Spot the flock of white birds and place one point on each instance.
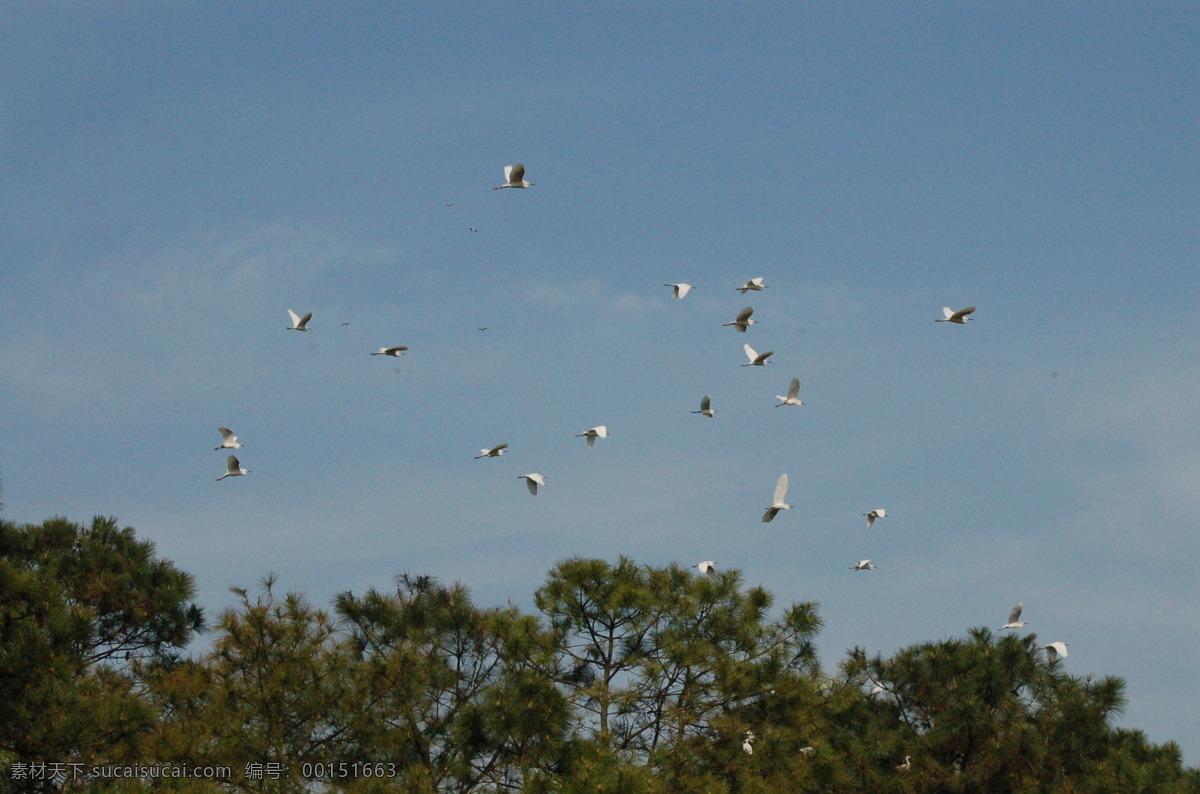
(514, 177)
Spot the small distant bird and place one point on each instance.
(793, 395)
(907, 763)
(864, 565)
(494, 452)
(807, 750)
(781, 488)
(398, 350)
(482, 329)
(756, 359)
(1055, 651)
(228, 439)
(1014, 619)
(514, 176)
(299, 323)
(679, 290)
(748, 742)
(233, 468)
(345, 324)
(708, 566)
(952, 316)
(743, 320)
(874, 514)
(451, 204)
(472, 228)
(533, 481)
(755, 284)
(706, 408)
(600, 431)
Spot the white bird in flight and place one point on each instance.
(1014, 619)
(391, 351)
(1055, 651)
(864, 565)
(777, 505)
(533, 481)
(228, 439)
(878, 512)
(755, 284)
(793, 395)
(233, 468)
(299, 323)
(599, 431)
(952, 316)
(706, 408)
(679, 290)
(708, 566)
(514, 176)
(494, 452)
(756, 359)
(743, 320)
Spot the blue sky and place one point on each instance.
(175, 176)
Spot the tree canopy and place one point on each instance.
(627, 678)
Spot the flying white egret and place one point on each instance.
(793, 395)
(1056, 651)
(472, 229)
(708, 566)
(229, 440)
(514, 176)
(494, 452)
(679, 290)
(777, 505)
(1014, 619)
(807, 750)
(952, 316)
(878, 512)
(233, 468)
(398, 350)
(755, 284)
(706, 408)
(756, 359)
(743, 320)
(864, 565)
(299, 323)
(533, 481)
(599, 431)
(907, 763)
